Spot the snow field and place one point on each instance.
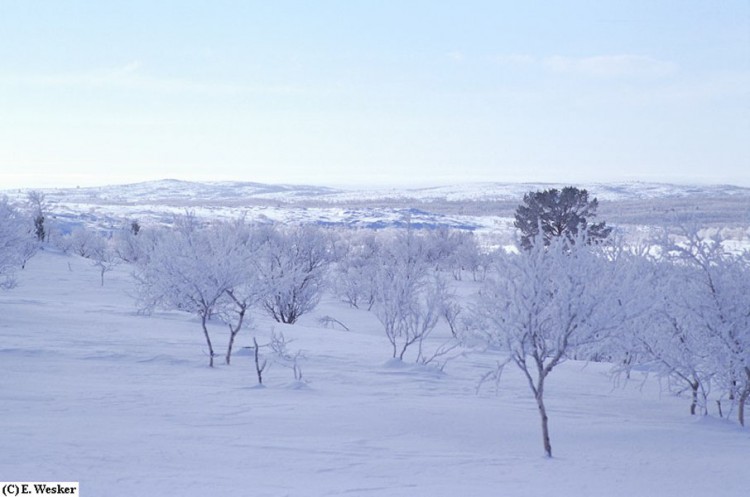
(124, 403)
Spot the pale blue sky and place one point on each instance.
(342, 92)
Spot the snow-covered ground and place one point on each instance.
(91, 391)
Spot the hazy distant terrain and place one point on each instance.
(480, 207)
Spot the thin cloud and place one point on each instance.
(600, 66)
(611, 66)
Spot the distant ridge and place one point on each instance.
(479, 207)
(169, 189)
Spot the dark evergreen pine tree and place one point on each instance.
(558, 213)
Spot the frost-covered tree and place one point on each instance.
(129, 242)
(292, 266)
(542, 305)
(243, 244)
(105, 250)
(558, 213)
(668, 338)
(104, 256)
(715, 295)
(469, 257)
(441, 245)
(81, 241)
(190, 269)
(355, 269)
(453, 251)
(38, 206)
(16, 240)
(408, 299)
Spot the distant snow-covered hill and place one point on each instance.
(232, 192)
(515, 191)
(481, 207)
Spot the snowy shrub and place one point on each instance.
(409, 297)
(104, 256)
(17, 243)
(38, 207)
(81, 241)
(292, 267)
(712, 297)
(352, 277)
(199, 270)
(129, 242)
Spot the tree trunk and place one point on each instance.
(204, 316)
(741, 410)
(233, 333)
(543, 414)
(694, 403)
(403, 351)
(258, 368)
(743, 398)
(394, 347)
(537, 387)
